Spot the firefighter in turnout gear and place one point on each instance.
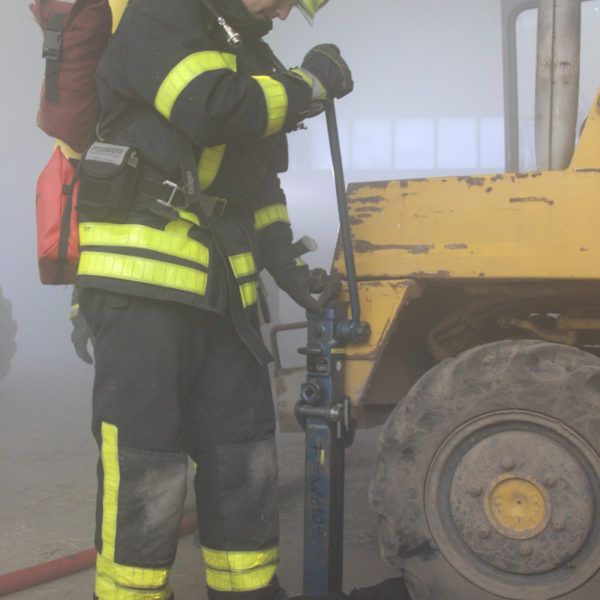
(167, 284)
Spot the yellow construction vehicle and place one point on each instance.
(483, 298)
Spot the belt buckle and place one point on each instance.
(219, 206)
(174, 189)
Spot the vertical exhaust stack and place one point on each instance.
(557, 82)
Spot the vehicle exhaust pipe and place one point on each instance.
(557, 82)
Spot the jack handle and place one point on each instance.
(353, 330)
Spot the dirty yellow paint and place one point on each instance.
(380, 303)
(516, 225)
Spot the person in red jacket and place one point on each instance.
(167, 283)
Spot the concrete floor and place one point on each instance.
(47, 490)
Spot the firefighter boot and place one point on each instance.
(390, 589)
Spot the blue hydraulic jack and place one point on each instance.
(324, 412)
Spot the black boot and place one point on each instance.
(390, 589)
(272, 592)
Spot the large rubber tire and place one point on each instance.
(487, 482)
(8, 331)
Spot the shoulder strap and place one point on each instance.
(51, 52)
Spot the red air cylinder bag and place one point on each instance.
(57, 261)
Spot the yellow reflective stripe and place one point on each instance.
(107, 589)
(299, 262)
(302, 73)
(143, 270)
(310, 7)
(174, 241)
(240, 571)
(263, 217)
(277, 102)
(132, 577)
(187, 216)
(242, 264)
(187, 70)
(74, 311)
(224, 560)
(248, 293)
(208, 165)
(66, 149)
(318, 91)
(109, 454)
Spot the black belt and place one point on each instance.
(158, 193)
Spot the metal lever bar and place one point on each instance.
(340, 188)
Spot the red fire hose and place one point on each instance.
(73, 563)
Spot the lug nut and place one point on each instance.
(476, 491)
(525, 549)
(559, 524)
(484, 532)
(508, 463)
(549, 481)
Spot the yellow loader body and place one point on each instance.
(502, 251)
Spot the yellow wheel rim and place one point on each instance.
(517, 507)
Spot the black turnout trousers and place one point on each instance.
(173, 381)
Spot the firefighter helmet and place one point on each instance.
(309, 8)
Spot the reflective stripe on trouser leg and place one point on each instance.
(239, 535)
(140, 503)
(230, 571)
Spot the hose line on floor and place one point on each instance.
(29, 577)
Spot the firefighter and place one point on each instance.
(167, 283)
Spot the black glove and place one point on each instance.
(326, 64)
(80, 336)
(299, 282)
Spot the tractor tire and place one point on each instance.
(487, 482)
(8, 331)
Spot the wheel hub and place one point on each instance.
(515, 494)
(517, 507)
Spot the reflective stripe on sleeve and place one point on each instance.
(276, 100)
(240, 571)
(208, 165)
(185, 72)
(267, 215)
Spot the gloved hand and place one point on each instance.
(325, 63)
(80, 336)
(299, 282)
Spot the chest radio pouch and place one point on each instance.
(108, 180)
